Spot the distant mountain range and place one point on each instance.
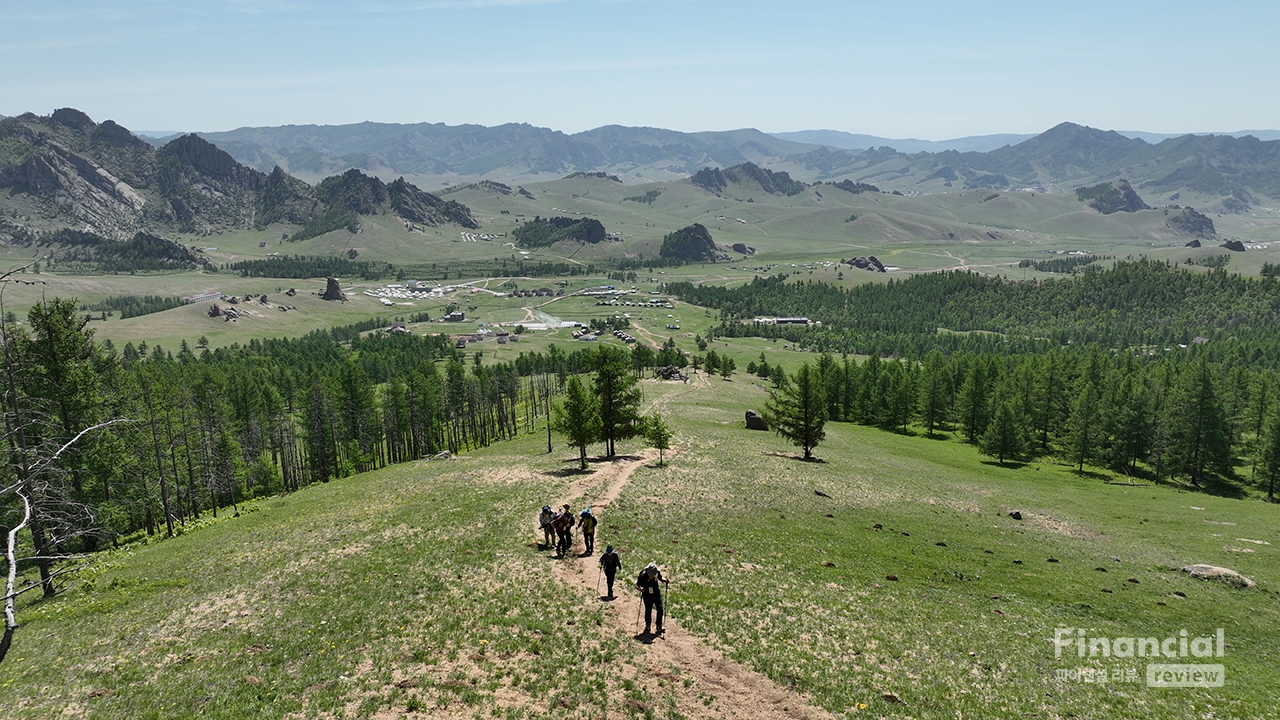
(101, 177)
(853, 141)
(1224, 172)
(971, 143)
(513, 151)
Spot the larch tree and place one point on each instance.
(1271, 455)
(1084, 428)
(619, 397)
(658, 434)
(1199, 437)
(577, 418)
(1004, 437)
(798, 410)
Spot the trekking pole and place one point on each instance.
(639, 604)
(598, 571)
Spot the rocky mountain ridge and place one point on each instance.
(72, 172)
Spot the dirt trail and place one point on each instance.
(720, 687)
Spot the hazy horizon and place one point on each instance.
(933, 70)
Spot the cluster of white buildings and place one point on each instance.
(412, 290)
(477, 237)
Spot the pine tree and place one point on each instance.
(1004, 436)
(1199, 437)
(1271, 455)
(798, 410)
(615, 388)
(727, 367)
(975, 400)
(658, 434)
(577, 418)
(1084, 429)
(933, 401)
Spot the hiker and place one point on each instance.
(647, 584)
(564, 531)
(587, 523)
(611, 564)
(544, 522)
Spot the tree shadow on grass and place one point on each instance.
(1220, 487)
(793, 456)
(574, 471)
(1007, 464)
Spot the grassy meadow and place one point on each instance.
(417, 591)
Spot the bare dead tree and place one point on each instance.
(29, 483)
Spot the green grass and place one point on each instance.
(410, 587)
(743, 531)
(414, 588)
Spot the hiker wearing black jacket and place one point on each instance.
(651, 592)
(611, 564)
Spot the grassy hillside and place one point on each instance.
(418, 590)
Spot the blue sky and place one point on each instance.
(925, 69)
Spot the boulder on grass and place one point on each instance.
(1213, 572)
(755, 421)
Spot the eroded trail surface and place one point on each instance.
(677, 668)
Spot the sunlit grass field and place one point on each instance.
(415, 590)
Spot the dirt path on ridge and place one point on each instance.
(677, 656)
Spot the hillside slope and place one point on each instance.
(419, 590)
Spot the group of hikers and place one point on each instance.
(558, 525)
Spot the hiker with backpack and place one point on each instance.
(651, 592)
(587, 523)
(611, 564)
(544, 521)
(563, 524)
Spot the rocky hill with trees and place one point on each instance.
(692, 243)
(541, 232)
(101, 179)
(1111, 197)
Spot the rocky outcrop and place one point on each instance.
(78, 189)
(870, 263)
(203, 157)
(692, 243)
(743, 249)
(102, 179)
(1195, 224)
(284, 198)
(1233, 246)
(206, 189)
(417, 205)
(709, 178)
(332, 291)
(1111, 197)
